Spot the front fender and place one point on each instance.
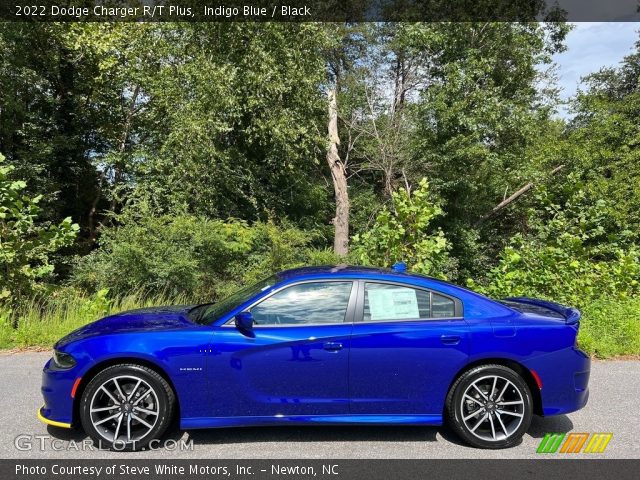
(179, 355)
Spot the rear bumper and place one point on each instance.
(565, 380)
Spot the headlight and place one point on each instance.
(63, 360)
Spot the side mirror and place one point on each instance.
(244, 321)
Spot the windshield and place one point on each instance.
(208, 312)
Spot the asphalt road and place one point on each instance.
(614, 406)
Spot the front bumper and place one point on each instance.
(57, 389)
(48, 421)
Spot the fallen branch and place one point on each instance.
(512, 198)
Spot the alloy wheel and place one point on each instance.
(492, 408)
(124, 409)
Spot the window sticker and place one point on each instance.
(393, 303)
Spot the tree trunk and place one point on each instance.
(339, 176)
(93, 231)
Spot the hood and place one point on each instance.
(139, 320)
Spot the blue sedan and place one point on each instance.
(322, 345)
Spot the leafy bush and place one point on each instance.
(163, 254)
(611, 327)
(574, 258)
(25, 244)
(404, 234)
(186, 255)
(278, 247)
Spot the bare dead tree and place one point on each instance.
(339, 177)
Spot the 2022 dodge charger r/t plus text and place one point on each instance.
(322, 345)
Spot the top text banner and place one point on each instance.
(319, 10)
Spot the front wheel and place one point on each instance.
(490, 406)
(124, 407)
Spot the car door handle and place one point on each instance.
(332, 346)
(450, 339)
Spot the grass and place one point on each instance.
(42, 323)
(609, 328)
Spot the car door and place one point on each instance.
(407, 344)
(295, 361)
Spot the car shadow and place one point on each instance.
(78, 436)
(67, 434)
(326, 433)
(540, 426)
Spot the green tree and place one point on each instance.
(477, 120)
(236, 111)
(25, 244)
(213, 119)
(406, 234)
(604, 137)
(48, 115)
(579, 237)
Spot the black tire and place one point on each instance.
(499, 429)
(157, 395)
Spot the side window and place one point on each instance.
(442, 307)
(306, 303)
(386, 302)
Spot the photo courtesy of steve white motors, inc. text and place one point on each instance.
(162, 469)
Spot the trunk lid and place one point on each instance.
(570, 315)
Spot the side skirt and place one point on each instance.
(217, 422)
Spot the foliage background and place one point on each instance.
(176, 162)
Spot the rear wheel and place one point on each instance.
(124, 407)
(490, 406)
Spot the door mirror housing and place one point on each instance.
(244, 321)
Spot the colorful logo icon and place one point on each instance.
(573, 443)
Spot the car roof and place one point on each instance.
(331, 269)
(350, 270)
(389, 274)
